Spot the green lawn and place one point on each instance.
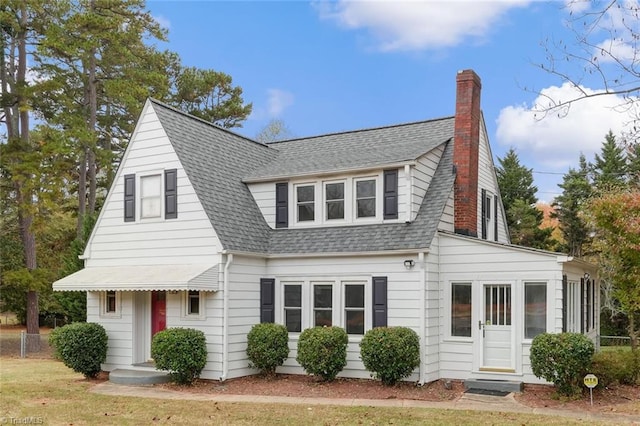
(47, 392)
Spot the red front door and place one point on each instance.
(158, 311)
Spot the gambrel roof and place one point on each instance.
(219, 163)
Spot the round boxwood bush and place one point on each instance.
(562, 359)
(322, 351)
(82, 346)
(180, 351)
(390, 353)
(267, 347)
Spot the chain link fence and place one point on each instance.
(23, 345)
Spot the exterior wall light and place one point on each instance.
(409, 263)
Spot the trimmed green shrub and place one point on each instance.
(81, 346)
(180, 351)
(562, 359)
(390, 353)
(616, 367)
(267, 346)
(322, 351)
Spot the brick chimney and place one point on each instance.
(466, 141)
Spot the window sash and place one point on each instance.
(293, 307)
(110, 302)
(354, 296)
(150, 196)
(461, 305)
(366, 198)
(193, 302)
(334, 196)
(535, 309)
(323, 305)
(305, 201)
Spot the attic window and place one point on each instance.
(150, 200)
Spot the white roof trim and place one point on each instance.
(142, 278)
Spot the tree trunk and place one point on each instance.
(91, 126)
(633, 331)
(82, 192)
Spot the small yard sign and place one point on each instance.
(591, 381)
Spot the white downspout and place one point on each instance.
(423, 317)
(408, 185)
(225, 319)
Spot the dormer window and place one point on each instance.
(334, 195)
(305, 202)
(366, 198)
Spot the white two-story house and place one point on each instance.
(400, 225)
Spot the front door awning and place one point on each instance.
(142, 278)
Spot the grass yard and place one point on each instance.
(49, 393)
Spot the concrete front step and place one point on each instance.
(494, 385)
(123, 376)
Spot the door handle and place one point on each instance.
(479, 325)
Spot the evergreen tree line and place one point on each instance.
(598, 219)
(74, 75)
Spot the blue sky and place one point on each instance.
(326, 67)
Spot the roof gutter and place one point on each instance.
(327, 254)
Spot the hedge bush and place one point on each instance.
(616, 367)
(322, 351)
(390, 353)
(181, 351)
(81, 346)
(267, 347)
(562, 359)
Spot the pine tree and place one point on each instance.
(576, 191)
(610, 167)
(519, 197)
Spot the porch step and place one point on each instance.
(493, 385)
(123, 376)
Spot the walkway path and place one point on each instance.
(466, 402)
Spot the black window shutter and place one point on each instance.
(130, 198)
(565, 285)
(484, 214)
(391, 194)
(495, 218)
(170, 194)
(267, 296)
(282, 205)
(582, 305)
(379, 301)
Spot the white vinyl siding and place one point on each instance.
(422, 174)
(188, 239)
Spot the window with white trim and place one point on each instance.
(334, 200)
(354, 308)
(322, 305)
(193, 304)
(573, 307)
(110, 303)
(535, 309)
(365, 198)
(305, 203)
(461, 309)
(293, 307)
(150, 196)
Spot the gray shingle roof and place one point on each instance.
(354, 150)
(216, 161)
(379, 237)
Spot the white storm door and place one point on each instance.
(497, 346)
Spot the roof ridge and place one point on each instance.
(215, 126)
(366, 129)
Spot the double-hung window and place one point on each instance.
(193, 302)
(150, 196)
(322, 305)
(305, 199)
(334, 196)
(110, 304)
(354, 308)
(293, 307)
(365, 198)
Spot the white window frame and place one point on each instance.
(449, 321)
(345, 204)
(378, 199)
(316, 210)
(524, 307)
(338, 308)
(573, 306)
(185, 306)
(285, 307)
(139, 195)
(104, 305)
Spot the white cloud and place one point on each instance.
(278, 101)
(163, 21)
(418, 25)
(555, 140)
(577, 6)
(615, 50)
